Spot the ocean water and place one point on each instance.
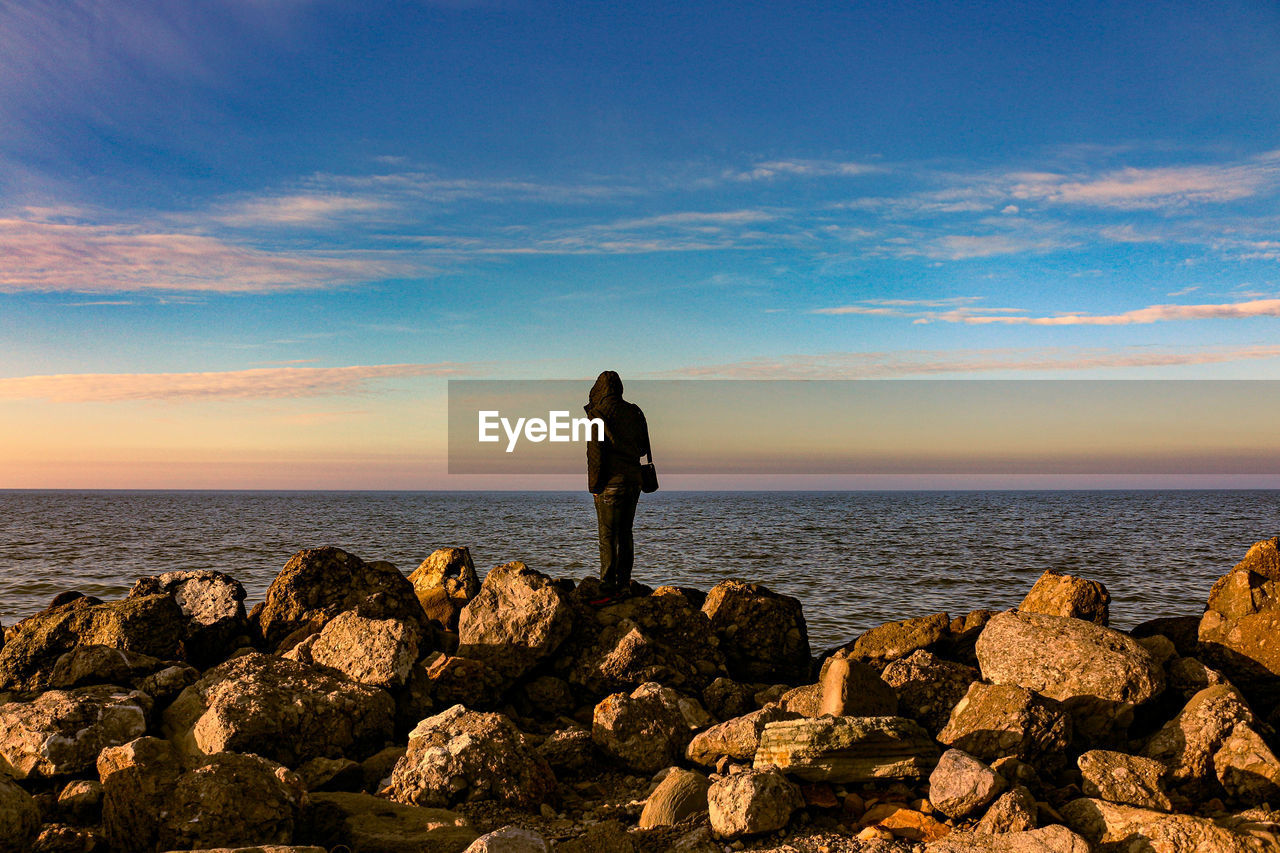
(855, 559)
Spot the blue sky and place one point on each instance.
(236, 210)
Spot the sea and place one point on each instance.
(855, 559)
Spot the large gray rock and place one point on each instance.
(151, 625)
(444, 583)
(752, 802)
(231, 801)
(1099, 674)
(961, 784)
(738, 738)
(928, 687)
(362, 822)
(280, 709)
(379, 652)
(460, 755)
(1238, 629)
(1125, 779)
(848, 749)
(213, 604)
(19, 817)
(996, 720)
(763, 633)
(1124, 828)
(518, 619)
(1057, 594)
(893, 640)
(61, 732)
(317, 584)
(1051, 839)
(647, 729)
(1188, 742)
(680, 794)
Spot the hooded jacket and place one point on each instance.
(616, 460)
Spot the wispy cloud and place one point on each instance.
(300, 209)
(771, 169)
(270, 383)
(904, 363)
(974, 315)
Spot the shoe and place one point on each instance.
(606, 598)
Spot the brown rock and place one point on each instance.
(805, 700)
(368, 824)
(1126, 779)
(378, 652)
(1013, 811)
(444, 583)
(961, 784)
(87, 665)
(763, 633)
(61, 732)
(231, 801)
(1246, 767)
(679, 795)
(1056, 594)
(928, 687)
(213, 605)
(854, 689)
(1238, 629)
(1117, 827)
(648, 729)
(19, 817)
(80, 802)
(905, 823)
(752, 802)
(738, 738)
(456, 680)
(894, 640)
(1187, 743)
(995, 720)
(847, 749)
(518, 619)
(137, 779)
(1051, 839)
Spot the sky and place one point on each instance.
(245, 243)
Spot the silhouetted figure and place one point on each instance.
(614, 477)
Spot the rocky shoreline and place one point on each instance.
(357, 709)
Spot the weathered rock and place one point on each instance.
(605, 837)
(331, 774)
(1181, 630)
(1123, 828)
(1051, 839)
(379, 652)
(453, 680)
(681, 794)
(87, 665)
(19, 817)
(317, 584)
(61, 732)
(928, 687)
(80, 802)
(995, 720)
(894, 640)
(518, 619)
(1013, 811)
(213, 604)
(726, 698)
(368, 824)
(137, 779)
(1238, 629)
(377, 767)
(231, 801)
(1056, 594)
(444, 583)
(1188, 676)
(65, 838)
(805, 700)
(738, 738)
(1187, 743)
(961, 784)
(848, 749)
(1125, 779)
(905, 823)
(648, 729)
(763, 633)
(1099, 674)
(460, 755)
(150, 625)
(1161, 648)
(547, 696)
(279, 709)
(1246, 767)
(752, 802)
(568, 750)
(509, 839)
(851, 688)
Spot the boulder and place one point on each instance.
(88, 665)
(279, 709)
(509, 839)
(851, 688)
(331, 774)
(1099, 674)
(19, 817)
(444, 583)
(61, 732)
(518, 619)
(547, 697)
(137, 779)
(1051, 839)
(647, 729)
(928, 687)
(151, 625)
(805, 700)
(453, 680)
(1013, 811)
(368, 824)
(379, 652)
(995, 720)
(725, 698)
(738, 738)
(763, 633)
(1238, 629)
(1246, 767)
(848, 749)
(1181, 631)
(1188, 676)
(231, 801)
(961, 784)
(80, 802)
(607, 836)
(1125, 779)
(317, 584)
(752, 802)
(893, 640)
(569, 750)
(680, 794)
(213, 604)
(1188, 742)
(460, 755)
(1056, 594)
(904, 823)
(1125, 828)
(662, 637)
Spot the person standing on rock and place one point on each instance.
(615, 477)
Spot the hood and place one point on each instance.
(608, 384)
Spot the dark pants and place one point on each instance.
(615, 512)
